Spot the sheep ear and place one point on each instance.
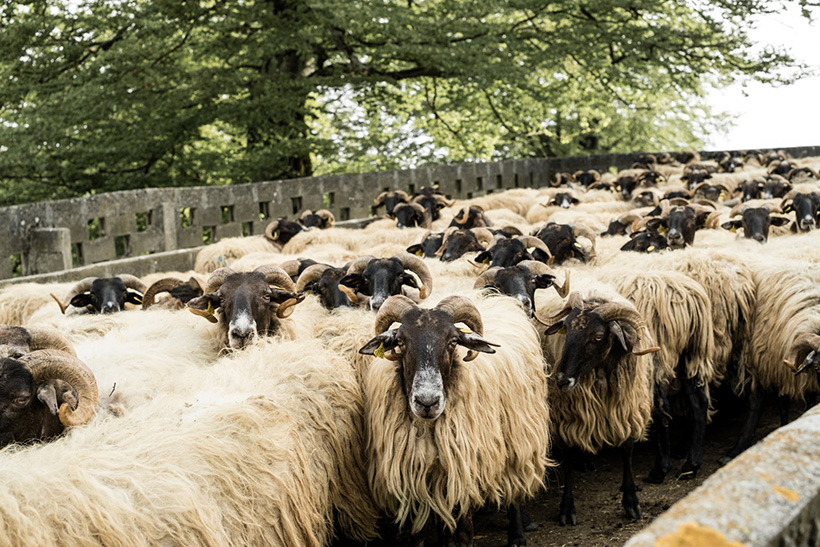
(81, 300)
(381, 343)
(205, 302)
(483, 257)
(415, 250)
(47, 395)
(407, 279)
(732, 225)
(278, 296)
(473, 341)
(133, 297)
(355, 282)
(780, 221)
(555, 328)
(616, 329)
(544, 281)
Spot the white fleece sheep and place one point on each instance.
(251, 449)
(491, 442)
(225, 251)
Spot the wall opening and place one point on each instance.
(499, 182)
(227, 213)
(458, 187)
(122, 246)
(186, 217)
(96, 228)
(208, 235)
(296, 204)
(16, 265)
(479, 183)
(247, 229)
(344, 213)
(143, 220)
(264, 210)
(328, 199)
(515, 180)
(77, 258)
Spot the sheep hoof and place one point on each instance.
(724, 460)
(632, 508)
(688, 472)
(655, 476)
(567, 516)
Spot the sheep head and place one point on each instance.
(424, 347)
(380, 278)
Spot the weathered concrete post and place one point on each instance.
(49, 251)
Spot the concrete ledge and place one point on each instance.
(182, 260)
(767, 496)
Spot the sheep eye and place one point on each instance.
(20, 401)
(599, 337)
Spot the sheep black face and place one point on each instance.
(775, 188)
(381, 278)
(646, 242)
(750, 189)
(281, 231)
(693, 177)
(682, 222)
(409, 215)
(103, 295)
(424, 346)
(428, 247)
(249, 303)
(321, 219)
(458, 244)
(390, 200)
(805, 207)
(755, 223)
(323, 280)
(561, 241)
(586, 178)
(472, 217)
(626, 185)
(520, 282)
(564, 200)
(507, 251)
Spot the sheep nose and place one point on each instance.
(427, 401)
(241, 337)
(562, 380)
(759, 238)
(376, 303)
(109, 307)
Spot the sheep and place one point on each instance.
(390, 199)
(509, 251)
(430, 243)
(521, 281)
(246, 304)
(321, 218)
(357, 241)
(678, 313)
(604, 385)
(253, 450)
(225, 251)
(381, 278)
(102, 295)
(18, 302)
(755, 221)
(469, 217)
(806, 207)
(456, 242)
(180, 292)
(279, 232)
(563, 244)
(323, 280)
(445, 435)
(432, 201)
(412, 214)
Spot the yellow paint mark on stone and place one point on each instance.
(692, 534)
(787, 493)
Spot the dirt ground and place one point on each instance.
(601, 519)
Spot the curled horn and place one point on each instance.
(133, 282)
(392, 311)
(349, 293)
(402, 195)
(464, 311)
(447, 233)
(270, 229)
(462, 216)
(277, 277)
(575, 301)
(581, 229)
(420, 209)
(379, 199)
(328, 217)
(291, 267)
(537, 268)
(360, 264)
(616, 311)
(216, 279)
(738, 209)
(700, 187)
(286, 308)
(166, 284)
(487, 278)
(788, 196)
(799, 350)
(713, 220)
(441, 200)
(50, 364)
(81, 287)
(532, 241)
(311, 274)
(483, 235)
(45, 338)
(305, 214)
(417, 266)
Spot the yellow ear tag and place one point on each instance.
(733, 229)
(138, 299)
(577, 245)
(379, 351)
(420, 253)
(563, 330)
(466, 331)
(650, 248)
(276, 234)
(722, 196)
(486, 261)
(210, 308)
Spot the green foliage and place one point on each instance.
(102, 95)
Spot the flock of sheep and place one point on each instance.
(320, 384)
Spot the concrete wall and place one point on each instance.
(53, 236)
(767, 496)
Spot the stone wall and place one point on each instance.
(58, 235)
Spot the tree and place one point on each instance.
(102, 95)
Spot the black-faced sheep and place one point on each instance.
(103, 295)
(380, 278)
(321, 218)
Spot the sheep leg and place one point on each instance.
(660, 434)
(566, 513)
(699, 403)
(515, 529)
(747, 433)
(783, 404)
(630, 497)
(464, 531)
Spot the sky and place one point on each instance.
(769, 117)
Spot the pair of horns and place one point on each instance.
(84, 285)
(166, 284)
(802, 351)
(53, 364)
(408, 262)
